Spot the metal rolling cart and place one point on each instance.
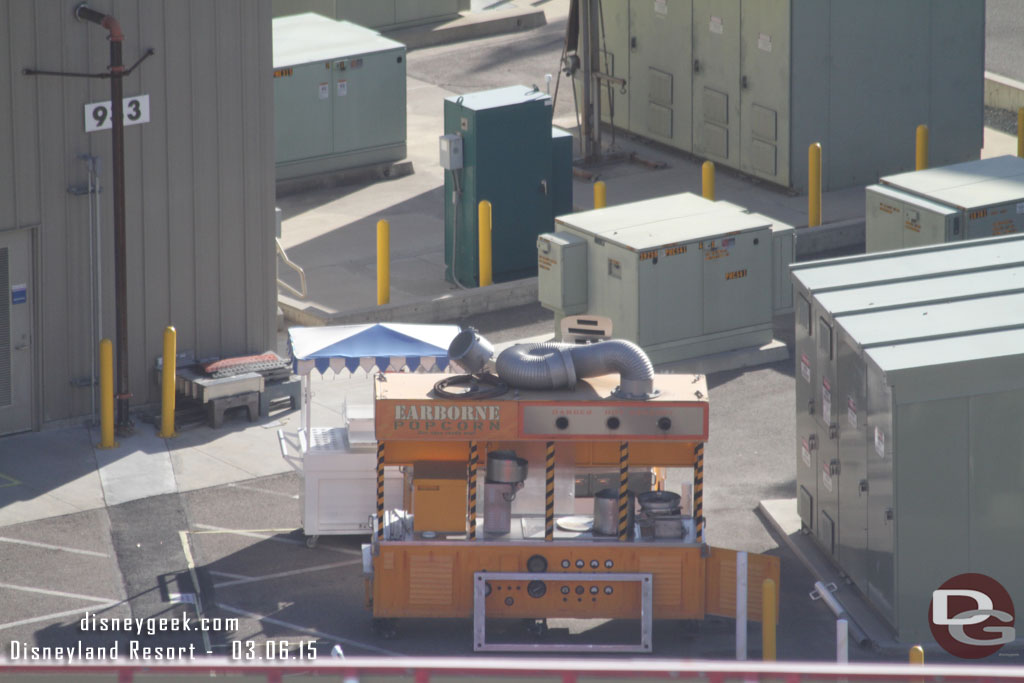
(528, 556)
(338, 463)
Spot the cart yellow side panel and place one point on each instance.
(721, 582)
(436, 580)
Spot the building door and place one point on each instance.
(716, 80)
(828, 449)
(851, 419)
(659, 71)
(764, 90)
(16, 303)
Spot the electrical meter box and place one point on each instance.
(903, 418)
(960, 202)
(680, 275)
(562, 272)
(513, 158)
(451, 152)
(339, 96)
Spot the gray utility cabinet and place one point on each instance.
(751, 84)
(339, 96)
(680, 275)
(859, 491)
(959, 202)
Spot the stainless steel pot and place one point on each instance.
(505, 467)
(606, 512)
(659, 501)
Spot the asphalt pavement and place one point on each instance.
(1004, 26)
(208, 525)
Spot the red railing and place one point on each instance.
(422, 669)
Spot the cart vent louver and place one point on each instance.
(431, 580)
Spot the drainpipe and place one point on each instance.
(116, 38)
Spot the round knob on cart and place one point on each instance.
(664, 424)
(612, 422)
(537, 564)
(562, 422)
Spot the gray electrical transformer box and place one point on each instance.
(959, 202)
(898, 438)
(562, 258)
(751, 84)
(339, 96)
(679, 275)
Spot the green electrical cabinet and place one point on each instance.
(513, 158)
(908, 395)
(339, 96)
(750, 84)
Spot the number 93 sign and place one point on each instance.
(98, 114)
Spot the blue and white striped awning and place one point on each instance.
(383, 347)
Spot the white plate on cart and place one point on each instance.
(577, 523)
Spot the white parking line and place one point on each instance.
(293, 572)
(311, 631)
(62, 594)
(58, 615)
(34, 544)
(256, 489)
(183, 535)
(261, 533)
(228, 575)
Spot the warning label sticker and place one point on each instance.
(826, 399)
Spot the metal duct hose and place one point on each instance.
(557, 366)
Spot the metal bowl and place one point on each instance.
(659, 501)
(505, 467)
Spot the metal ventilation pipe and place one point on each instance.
(557, 366)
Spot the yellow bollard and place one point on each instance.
(484, 242)
(814, 185)
(917, 658)
(107, 394)
(600, 195)
(707, 176)
(167, 381)
(1020, 132)
(383, 262)
(921, 156)
(769, 617)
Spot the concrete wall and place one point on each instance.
(199, 182)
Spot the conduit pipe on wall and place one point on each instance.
(116, 68)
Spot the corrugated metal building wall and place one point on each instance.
(199, 183)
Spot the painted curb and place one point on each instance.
(1002, 92)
